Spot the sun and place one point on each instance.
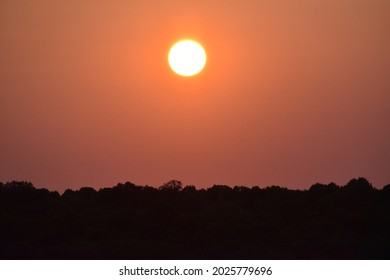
(187, 58)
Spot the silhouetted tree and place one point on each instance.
(358, 185)
(19, 185)
(241, 189)
(317, 187)
(324, 188)
(128, 186)
(274, 188)
(173, 185)
(189, 189)
(386, 188)
(219, 188)
(87, 193)
(68, 193)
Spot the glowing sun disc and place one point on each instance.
(187, 58)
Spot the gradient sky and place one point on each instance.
(294, 92)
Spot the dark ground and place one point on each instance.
(141, 222)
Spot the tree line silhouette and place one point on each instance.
(127, 221)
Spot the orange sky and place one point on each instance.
(294, 92)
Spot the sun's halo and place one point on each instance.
(187, 58)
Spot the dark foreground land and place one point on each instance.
(136, 222)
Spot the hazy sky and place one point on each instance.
(294, 92)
